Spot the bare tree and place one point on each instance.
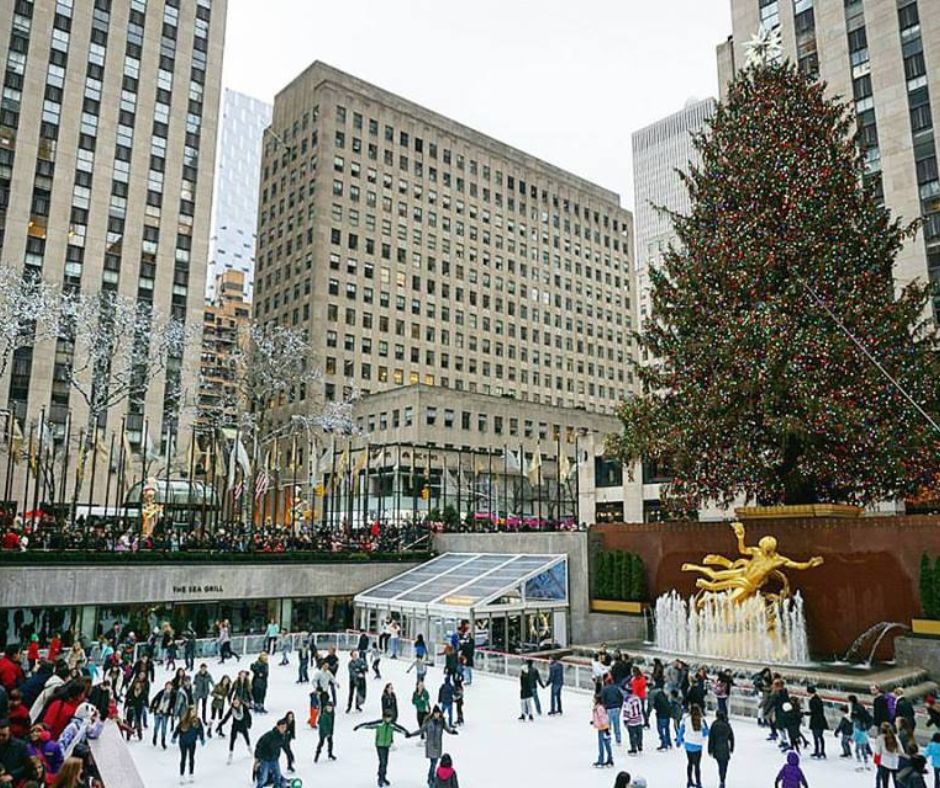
(29, 312)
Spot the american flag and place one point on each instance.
(261, 484)
(238, 489)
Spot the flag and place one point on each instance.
(292, 465)
(361, 463)
(564, 466)
(262, 483)
(16, 442)
(535, 467)
(238, 489)
(237, 457)
(341, 467)
(511, 461)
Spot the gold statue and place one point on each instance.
(745, 577)
(150, 510)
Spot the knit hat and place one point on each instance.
(34, 638)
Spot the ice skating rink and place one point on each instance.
(492, 750)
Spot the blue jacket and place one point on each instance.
(612, 696)
(446, 694)
(556, 674)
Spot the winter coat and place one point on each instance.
(661, 704)
(433, 730)
(33, 686)
(363, 645)
(14, 758)
(48, 751)
(638, 686)
(421, 700)
(325, 722)
(817, 715)
(202, 684)
(904, 708)
(525, 684)
(599, 718)
(390, 705)
(241, 689)
(445, 777)
(259, 680)
(791, 775)
(162, 702)
(219, 695)
(11, 673)
(889, 759)
(556, 675)
(612, 696)
(241, 718)
(182, 701)
(59, 714)
(269, 746)
(693, 740)
(879, 711)
(720, 740)
(191, 735)
(445, 695)
(384, 731)
(357, 668)
(632, 711)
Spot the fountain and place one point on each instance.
(732, 616)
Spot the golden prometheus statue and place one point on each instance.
(745, 577)
(150, 510)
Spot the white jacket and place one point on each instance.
(47, 690)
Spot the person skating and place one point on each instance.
(271, 634)
(332, 665)
(240, 715)
(445, 698)
(932, 751)
(446, 776)
(612, 698)
(914, 775)
(220, 696)
(634, 721)
(888, 751)
(817, 723)
(663, 711)
(420, 668)
(286, 645)
(421, 700)
(721, 745)
(188, 732)
(268, 754)
(693, 734)
(844, 732)
(357, 669)
(433, 729)
(324, 682)
(556, 680)
(903, 708)
(459, 697)
(303, 662)
(241, 689)
(290, 733)
(791, 775)
(162, 709)
(390, 702)
(259, 682)
(525, 692)
(375, 656)
(225, 642)
(202, 689)
(601, 724)
(189, 650)
(325, 726)
(536, 678)
(384, 738)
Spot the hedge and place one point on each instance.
(620, 576)
(929, 586)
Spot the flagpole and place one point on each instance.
(191, 480)
(365, 487)
(169, 521)
(523, 477)
(414, 489)
(8, 476)
(205, 485)
(107, 488)
(78, 470)
(347, 483)
(94, 468)
(506, 486)
(293, 483)
(577, 483)
(39, 449)
(396, 487)
(119, 470)
(333, 485)
(538, 449)
(459, 474)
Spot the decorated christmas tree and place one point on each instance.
(772, 314)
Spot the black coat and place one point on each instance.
(817, 715)
(879, 711)
(904, 709)
(720, 740)
(696, 696)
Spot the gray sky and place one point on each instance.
(565, 81)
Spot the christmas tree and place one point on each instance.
(758, 388)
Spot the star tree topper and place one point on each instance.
(765, 47)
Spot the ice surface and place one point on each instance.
(493, 749)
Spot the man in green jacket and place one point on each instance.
(384, 738)
(325, 729)
(268, 753)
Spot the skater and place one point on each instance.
(722, 689)
(395, 638)
(612, 697)
(817, 723)
(189, 647)
(303, 662)
(844, 732)
(916, 772)
(389, 703)
(420, 669)
(445, 776)
(259, 682)
(325, 730)
(290, 733)
(556, 680)
(220, 695)
(357, 675)
(268, 754)
(189, 731)
(693, 733)
(888, 752)
(536, 680)
(202, 688)
(721, 745)
(663, 711)
(332, 665)
(903, 708)
(634, 720)
(861, 724)
(421, 648)
(932, 751)
(525, 692)
(225, 642)
(384, 738)
(638, 686)
(601, 724)
(271, 636)
(458, 697)
(240, 716)
(285, 650)
(445, 698)
(433, 730)
(421, 700)
(791, 775)
(386, 634)
(162, 709)
(376, 656)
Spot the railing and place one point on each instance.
(293, 556)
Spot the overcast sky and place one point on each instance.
(566, 81)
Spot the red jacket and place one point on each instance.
(32, 650)
(19, 721)
(60, 713)
(55, 646)
(638, 685)
(11, 674)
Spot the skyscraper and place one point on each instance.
(416, 250)
(107, 146)
(885, 56)
(235, 203)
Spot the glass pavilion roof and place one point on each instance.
(465, 580)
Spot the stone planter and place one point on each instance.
(797, 511)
